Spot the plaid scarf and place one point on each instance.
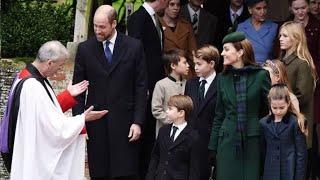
(240, 85)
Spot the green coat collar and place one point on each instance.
(289, 59)
(228, 83)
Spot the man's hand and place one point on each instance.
(134, 132)
(94, 115)
(78, 88)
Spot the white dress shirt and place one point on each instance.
(112, 42)
(209, 80)
(239, 12)
(150, 11)
(192, 12)
(179, 130)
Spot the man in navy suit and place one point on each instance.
(115, 67)
(229, 14)
(204, 23)
(145, 26)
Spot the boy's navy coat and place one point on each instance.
(286, 151)
(175, 160)
(201, 118)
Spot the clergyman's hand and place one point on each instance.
(134, 132)
(78, 88)
(91, 115)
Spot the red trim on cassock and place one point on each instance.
(65, 100)
(24, 73)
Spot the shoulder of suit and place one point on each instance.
(88, 41)
(138, 14)
(193, 80)
(130, 40)
(139, 11)
(207, 13)
(184, 7)
(184, 21)
(164, 127)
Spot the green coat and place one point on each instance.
(229, 166)
(302, 85)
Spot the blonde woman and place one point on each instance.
(300, 68)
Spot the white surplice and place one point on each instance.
(47, 143)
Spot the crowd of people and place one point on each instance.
(187, 94)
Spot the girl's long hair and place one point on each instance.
(281, 92)
(279, 70)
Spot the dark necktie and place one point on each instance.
(158, 26)
(235, 18)
(234, 26)
(195, 23)
(108, 52)
(202, 89)
(174, 130)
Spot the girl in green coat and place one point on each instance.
(241, 101)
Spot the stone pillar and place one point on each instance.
(82, 17)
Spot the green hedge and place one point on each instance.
(25, 26)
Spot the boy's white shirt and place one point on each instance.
(209, 80)
(179, 130)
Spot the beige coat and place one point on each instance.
(161, 94)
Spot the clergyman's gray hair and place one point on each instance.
(52, 50)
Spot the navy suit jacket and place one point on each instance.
(286, 149)
(201, 118)
(121, 88)
(224, 20)
(207, 26)
(141, 26)
(175, 160)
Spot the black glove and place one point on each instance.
(212, 164)
(212, 158)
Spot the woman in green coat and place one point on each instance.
(301, 74)
(300, 67)
(241, 101)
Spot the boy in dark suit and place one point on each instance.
(175, 154)
(202, 90)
